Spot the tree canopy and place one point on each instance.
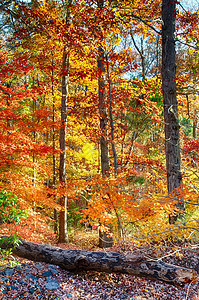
(99, 117)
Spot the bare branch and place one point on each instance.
(143, 21)
(172, 198)
(6, 4)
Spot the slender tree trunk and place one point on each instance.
(105, 240)
(34, 159)
(54, 158)
(63, 235)
(63, 232)
(54, 171)
(195, 119)
(34, 138)
(111, 119)
(105, 165)
(141, 53)
(195, 125)
(157, 55)
(172, 136)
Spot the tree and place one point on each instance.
(63, 234)
(172, 126)
(96, 92)
(104, 239)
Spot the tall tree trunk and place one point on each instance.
(54, 158)
(195, 118)
(63, 232)
(54, 171)
(105, 165)
(63, 235)
(111, 118)
(105, 240)
(172, 136)
(195, 124)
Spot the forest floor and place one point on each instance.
(33, 280)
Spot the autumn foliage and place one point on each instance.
(134, 203)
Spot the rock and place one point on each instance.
(8, 272)
(47, 273)
(25, 265)
(69, 295)
(18, 268)
(31, 290)
(53, 270)
(51, 280)
(23, 282)
(52, 284)
(12, 288)
(26, 270)
(39, 265)
(30, 276)
(5, 279)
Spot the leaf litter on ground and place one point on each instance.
(38, 280)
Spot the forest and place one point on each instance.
(99, 142)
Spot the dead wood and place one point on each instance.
(77, 260)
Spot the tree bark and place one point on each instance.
(105, 240)
(63, 235)
(111, 118)
(110, 262)
(53, 145)
(172, 135)
(105, 165)
(195, 121)
(63, 232)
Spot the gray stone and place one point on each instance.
(23, 282)
(5, 279)
(53, 270)
(31, 290)
(8, 272)
(52, 266)
(51, 280)
(52, 284)
(18, 268)
(47, 273)
(30, 276)
(69, 295)
(25, 265)
(12, 288)
(39, 265)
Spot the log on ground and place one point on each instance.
(110, 262)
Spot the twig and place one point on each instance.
(166, 231)
(187, 294)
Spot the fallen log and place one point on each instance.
(77, 260)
